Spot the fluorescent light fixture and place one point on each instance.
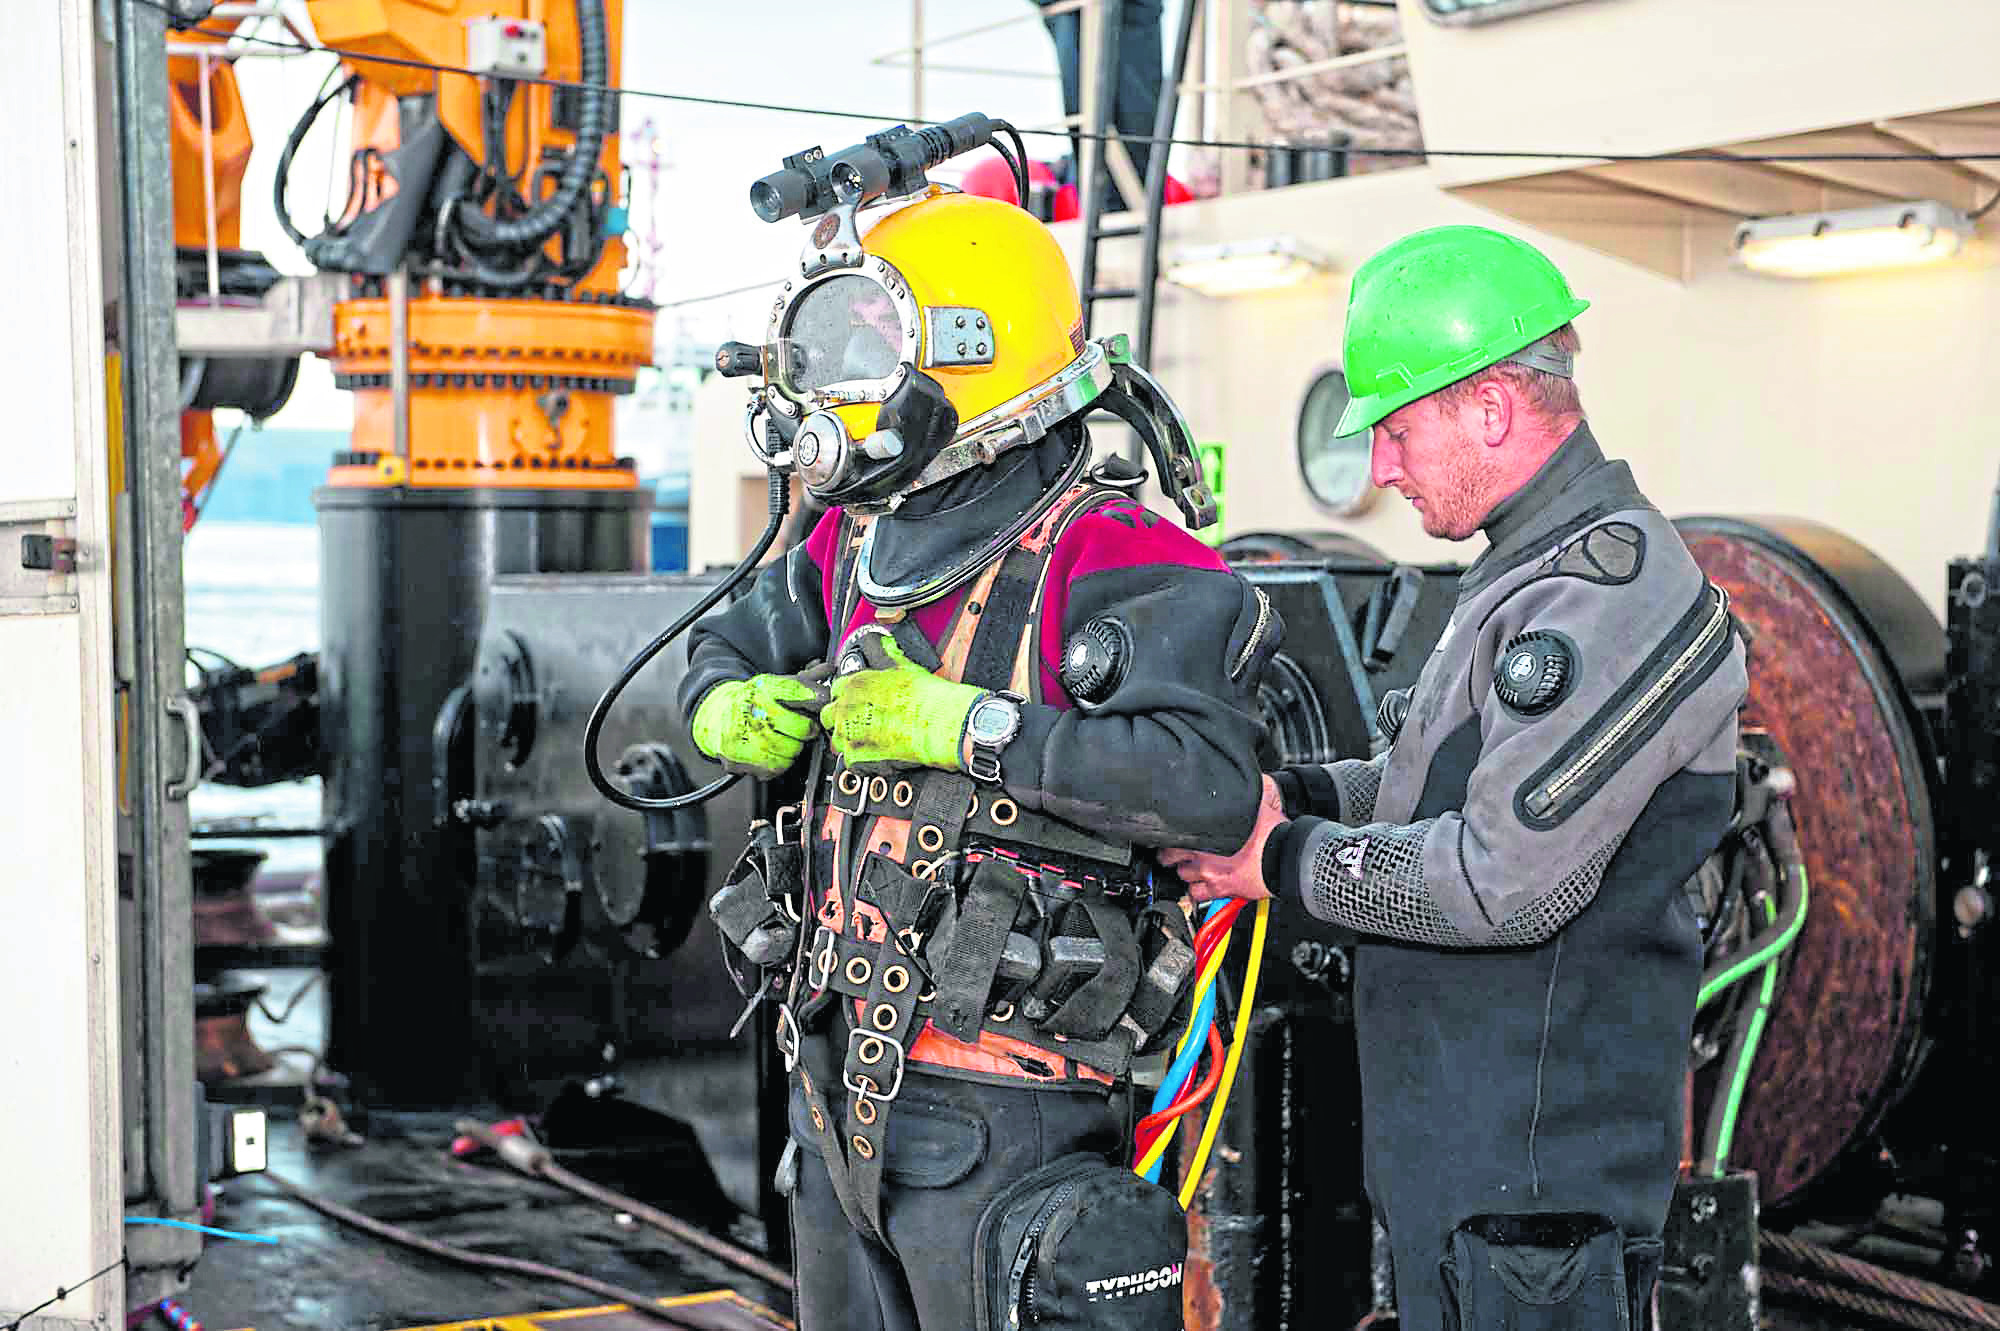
(1247, 265)
(1892, 235)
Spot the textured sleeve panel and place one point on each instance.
(1343, 791)
(778, 627)
(1168, 757)
(1373, 880)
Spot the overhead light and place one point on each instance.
(1246, 265)
(1852, 240)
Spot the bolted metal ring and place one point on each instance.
(883, 1018)
(864, 1112)
(905, 792)
(863, 1147)
(871, 1049)
(858, 970)
(878, 789)
(895, 978)
(931, 837)
(1004, 812)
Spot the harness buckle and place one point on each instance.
(864, 1085)
(819, 965)
(788, 1035)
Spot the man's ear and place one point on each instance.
(1496, 409)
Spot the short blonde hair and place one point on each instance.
(1551, 395)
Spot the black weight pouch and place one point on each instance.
(1562, 1272)
(756, 912)
(1081, 1244)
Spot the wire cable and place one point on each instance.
(381, 1229)
(1248, 145)
(63, 1292)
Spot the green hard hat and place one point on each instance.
(1439, 305)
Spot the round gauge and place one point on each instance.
(1335, 467)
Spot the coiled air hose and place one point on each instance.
(780, 500)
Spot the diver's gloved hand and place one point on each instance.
(760, 725)
(896, 714)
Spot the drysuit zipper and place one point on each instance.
(1543, 800)
(1256, 633)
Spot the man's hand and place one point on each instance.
(760, 725)
(896, 714)
(1240, 875)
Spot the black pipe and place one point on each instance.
(541, 221)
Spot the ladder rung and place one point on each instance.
(1120, 231)
(1111, 293)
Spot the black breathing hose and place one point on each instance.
(292, 142)
(781, 496)
(529, 230)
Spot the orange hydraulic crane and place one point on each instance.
(477, 318)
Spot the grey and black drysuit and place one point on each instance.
(1514, 864)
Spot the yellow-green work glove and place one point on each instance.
(896, 714)
(760, 725)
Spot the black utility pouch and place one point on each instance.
(756, 913)
(1536, 1273)
(1081, 1244)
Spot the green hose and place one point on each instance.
(1763, 955)
(1740, 1080)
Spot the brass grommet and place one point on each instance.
(883, 1017)
(864, 1112)
(925, 869)
(819, 1119)
(871, 1049)
(904, 793)
(931, 837)
(895, 979)
(927, 995)
(878, 789)
(1004, 813)
(858, 970)
(1004, 1012)
(863, 1147)
(848, 782)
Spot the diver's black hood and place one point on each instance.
(951, 522)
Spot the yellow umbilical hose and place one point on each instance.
(1237, 1040)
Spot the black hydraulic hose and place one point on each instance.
(517, 1266)
(544, 217)
(781, 497)
(1018, 160)
(292, 142)
(537, 1161)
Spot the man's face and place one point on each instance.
(1430, 455)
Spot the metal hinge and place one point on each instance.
(38, 557)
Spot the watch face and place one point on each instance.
(992, 721)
